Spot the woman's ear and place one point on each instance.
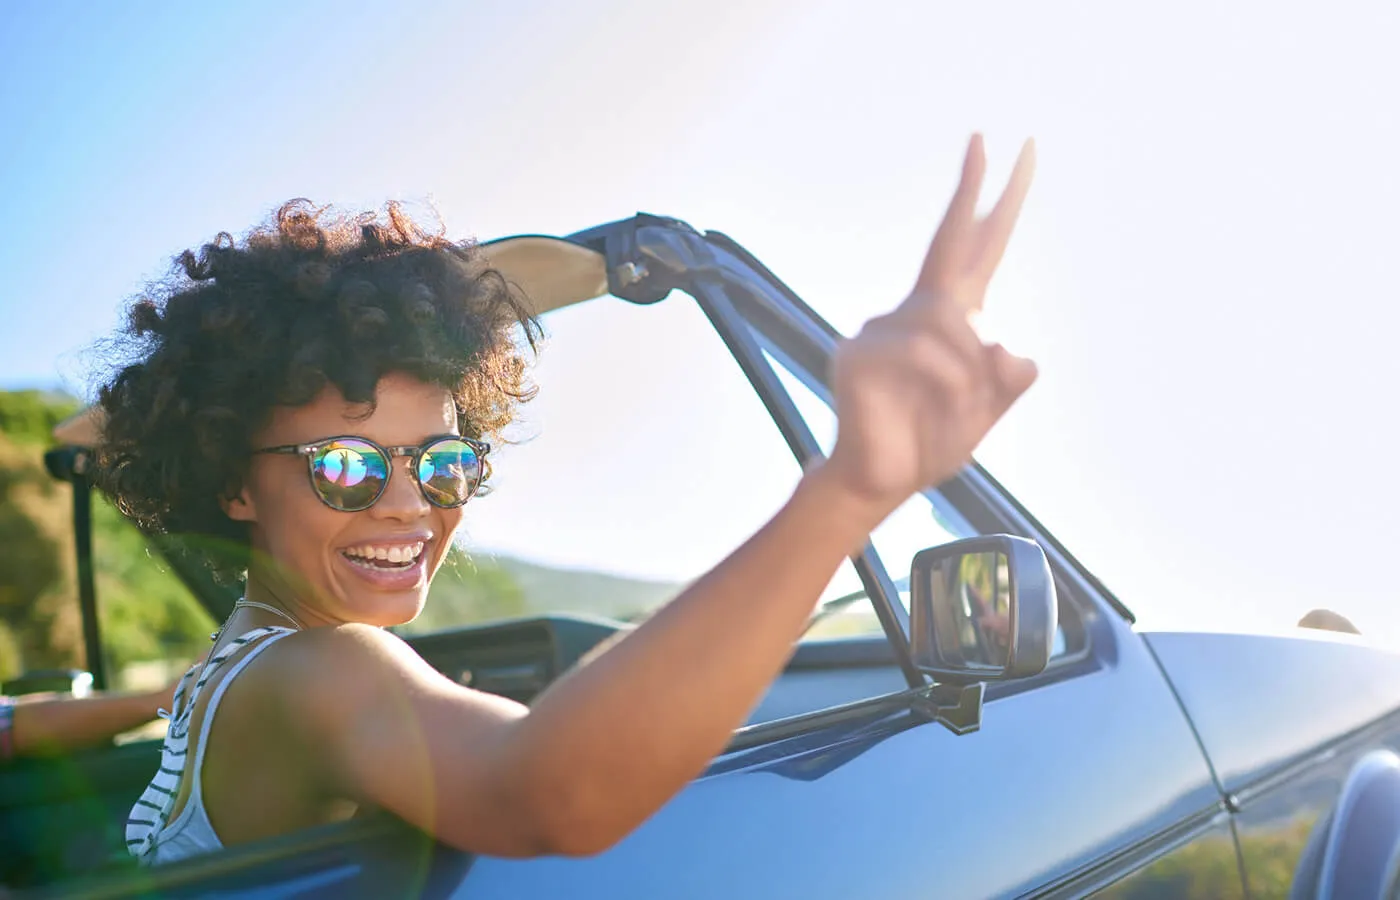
(239, 507)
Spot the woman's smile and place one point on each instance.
(395, 564)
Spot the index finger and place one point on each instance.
(945, 259)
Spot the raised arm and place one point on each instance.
(605, 746)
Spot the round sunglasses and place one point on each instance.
(350, 473)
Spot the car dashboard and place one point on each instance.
(517, 658)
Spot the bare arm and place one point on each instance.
(607, 745)
(55, 726)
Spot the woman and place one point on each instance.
(379, 358)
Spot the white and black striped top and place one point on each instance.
(146, 827)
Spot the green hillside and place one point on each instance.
(582, 591)
(482, 587)
(147, 614)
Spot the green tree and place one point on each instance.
(146, 611)
(11, 660)
(30, 416)
(32, 566)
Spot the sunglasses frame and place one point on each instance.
(415, 453)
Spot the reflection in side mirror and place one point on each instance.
(982, 609)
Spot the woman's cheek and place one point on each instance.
(314, 533)
(451, 520)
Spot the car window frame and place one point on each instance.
(721, 307)
(750, 323)
(937, 497)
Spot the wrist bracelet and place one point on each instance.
(7, 725)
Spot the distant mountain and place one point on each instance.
(477, 588)
(551, 589)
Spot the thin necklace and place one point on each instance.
(214, 638)
(272, 609)
(255, 605)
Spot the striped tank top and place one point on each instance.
(150, 835)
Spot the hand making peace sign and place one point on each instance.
(917, 389)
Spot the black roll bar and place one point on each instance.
(70, 464)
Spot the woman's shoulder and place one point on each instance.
(334, 650)
(322, 669)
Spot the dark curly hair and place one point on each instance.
(311, 298)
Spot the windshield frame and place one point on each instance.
(722, 302)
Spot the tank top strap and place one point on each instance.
(181, 718)
(152, 811)
(212, 707)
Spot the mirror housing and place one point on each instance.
(982, 609)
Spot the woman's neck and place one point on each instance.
(277, 595)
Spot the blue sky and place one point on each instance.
(1205, 269)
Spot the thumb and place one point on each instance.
(1012, 374)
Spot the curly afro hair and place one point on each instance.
(311, 298)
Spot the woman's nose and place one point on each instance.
(403, 498)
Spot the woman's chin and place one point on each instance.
(387, 610)
(382, 597)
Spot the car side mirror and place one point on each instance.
(982, 609)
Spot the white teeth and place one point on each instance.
(397, 554)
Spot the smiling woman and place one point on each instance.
(312, 405)
(322, 350)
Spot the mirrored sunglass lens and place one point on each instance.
(449, 471)
(349, 474)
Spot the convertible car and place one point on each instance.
(972, 714)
